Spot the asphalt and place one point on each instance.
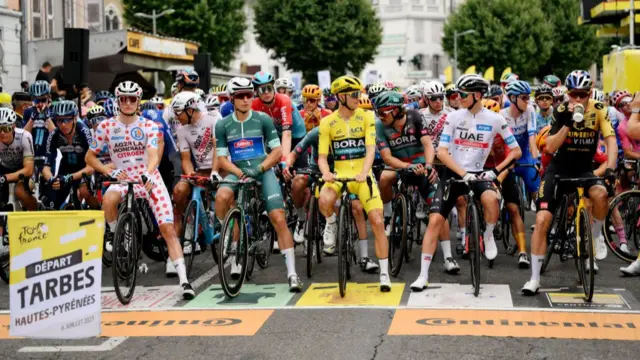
(325, 327)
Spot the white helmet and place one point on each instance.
(174, 88)
(156, 100)
(128, 88)
(185, 100)
(212, 102)
(433, 88)
(597, 95)
(7, 116)
(239, 85)
(285, 83)
(413, 93)
(201, 93)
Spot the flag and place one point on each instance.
(505, 72)
(448, 74)
(488, 74)
(470, 70)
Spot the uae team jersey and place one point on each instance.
(522, 127)
(469, 138)
(12, 156)
(197, 139)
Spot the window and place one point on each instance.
(419, 31)
(93, 15)
(36, 19)
(112, 18)
(50, 33)
(69, 13)
(436, 31)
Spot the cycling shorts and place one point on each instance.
(270, 189)
(548, 196)
(55, 198)
(370, 200)
(443, 206)
(510, 191)
(529, 175)
(159, 199)
(421, 181)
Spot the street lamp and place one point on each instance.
(154, 16)
(455, 49)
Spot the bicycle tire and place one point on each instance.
(129, 273)
(555, 239)
(107, 257)
(264, 247)
(473, 243)
(521, 199)
(398, 235)
(633, 235)
(5, 265)
(587, 254)
(232, 218)
(310, 233)
(189, 229)
(343, 240)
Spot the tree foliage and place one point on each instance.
(218, 25)
(308, 35)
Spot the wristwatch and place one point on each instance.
(635, 111)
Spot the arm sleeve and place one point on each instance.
(506, 134)
(51, 149)
(605, 123)
(420, 128)
(369, 129)
(559, 118)
(622, 135)
(183, 144)
(381, 136)
(287, 114)
(270, 133)
(100, 140)
(307, 141)
(531, 122)
(221, 139)
(86, 134)
(324, 137)
(27, 145)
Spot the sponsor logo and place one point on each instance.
(510, 140)
(117, 130)
(544, 205)
(350, 143)
(481, 127)
(117, 138)
(137, 134)
(243, 144)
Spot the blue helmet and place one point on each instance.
(150, 114)
(110, 108)
(579, 80)
(262, 78)
(103, 95)
(148, 106)
(64, 108)
(518, 87)
(39, 88)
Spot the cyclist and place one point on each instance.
(633, 128)
(330, 101)
(242, 140)
(312, 113)
(213, 104)
(413, 95)
(453, 98)
(551, 81)
(504, 80)
(559, 95)
(187, 80)
(226, 106)
(16, 158)
(351, 135)
(133, 145)
(544, 100)
(463, 149)
(102, 96)
(20, 101)
(496, 94)
(39, 123)
(72, 139)
(285, 86)
(574, 145)
(158, 102)
(174, 89)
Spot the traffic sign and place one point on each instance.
(327, 294)
(251, 295)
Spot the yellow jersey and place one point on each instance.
(347, 140)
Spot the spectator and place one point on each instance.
(43, 73)
(21, 101)
(57, 84)
(25, 86)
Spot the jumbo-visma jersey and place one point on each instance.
(348, 140)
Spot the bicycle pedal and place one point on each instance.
(143, 268)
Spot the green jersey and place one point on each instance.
(406, 145)
(246, 141)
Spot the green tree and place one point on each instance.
(574, 46)
(341, 35)
(218, 25)
(509, 33)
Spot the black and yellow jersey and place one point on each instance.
(580, 145)
(347, 140)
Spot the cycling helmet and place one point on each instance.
(156, 100)
(238, 85)
(7, 116)
(507, 78)
(597, 95)
(364, 102)
(64, 108)
(222, 90)
(450, 90)
(389, 85)
(5, 98)
(518, 87)
(544, 90)
(200, 93)
(214, 90)
(494, 90)
(541, 138)
(285, 83)
(552, 81)
(375, 90)
(579, 80)
(433, 88)
(188, 78)
(128, 88)
(95, 111)
(558, 91)
(102, 95)
(311, 92)
(148, 106)
(39, 88)
(472, 83)
(326, 92)
(389, 99)
(619, 96)
(151, 114)
(212, 102)
(413, 93)
(346, 84)
(185, 100)
(260, 78)
(492, 105)
(174, 88)
(110, 108)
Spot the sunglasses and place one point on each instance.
(354, 95)
(623, 104)
(41, 100)
(265, 89)
(524, 97)
(544, 98)
(558, 99)
(64, 120)
(579, 94)
(310, 100)
(436, 98)
(5, 129)
(128, 99)
(464, 94)
(243, 96)
(384, 112)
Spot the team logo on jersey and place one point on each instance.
(243, 144)
(137, 134)
(94, 144)
(154, 142)
(484, 127)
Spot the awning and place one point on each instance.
(609, 12)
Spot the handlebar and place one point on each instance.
(578, 180)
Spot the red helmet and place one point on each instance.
(619, 96)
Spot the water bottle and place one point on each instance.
(578, 113)
(207, 229)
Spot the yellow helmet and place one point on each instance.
(541, 138)
(490, 104)
(364, 102)
(346, 84)
(5, 98)
(311, 92)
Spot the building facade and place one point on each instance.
(10, 55)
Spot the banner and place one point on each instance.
(324, 79)
(56, 273)
(296, 77)
(470, 70)
(488, 74)
(505, 72)
(371, 77)
(448, 74)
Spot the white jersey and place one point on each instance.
(522, 126)
(12, 155)
(434, 123)
(198, 140)
(469, 138)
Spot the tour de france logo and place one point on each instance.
(137, 134)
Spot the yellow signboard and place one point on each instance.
(621, 71)
(150, 45)
(357, 295)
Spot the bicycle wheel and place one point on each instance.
(310, 232)
(510, 248)
(320, 224)
(232, 253)
(473, 244)
(264, 247)
(557, 234)
(126, 251)
(343, 249)
(5, 268)
(190, 234)
(586, 246)
(107, 257)
(626, 204)
(522, 199)
(398, 235)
